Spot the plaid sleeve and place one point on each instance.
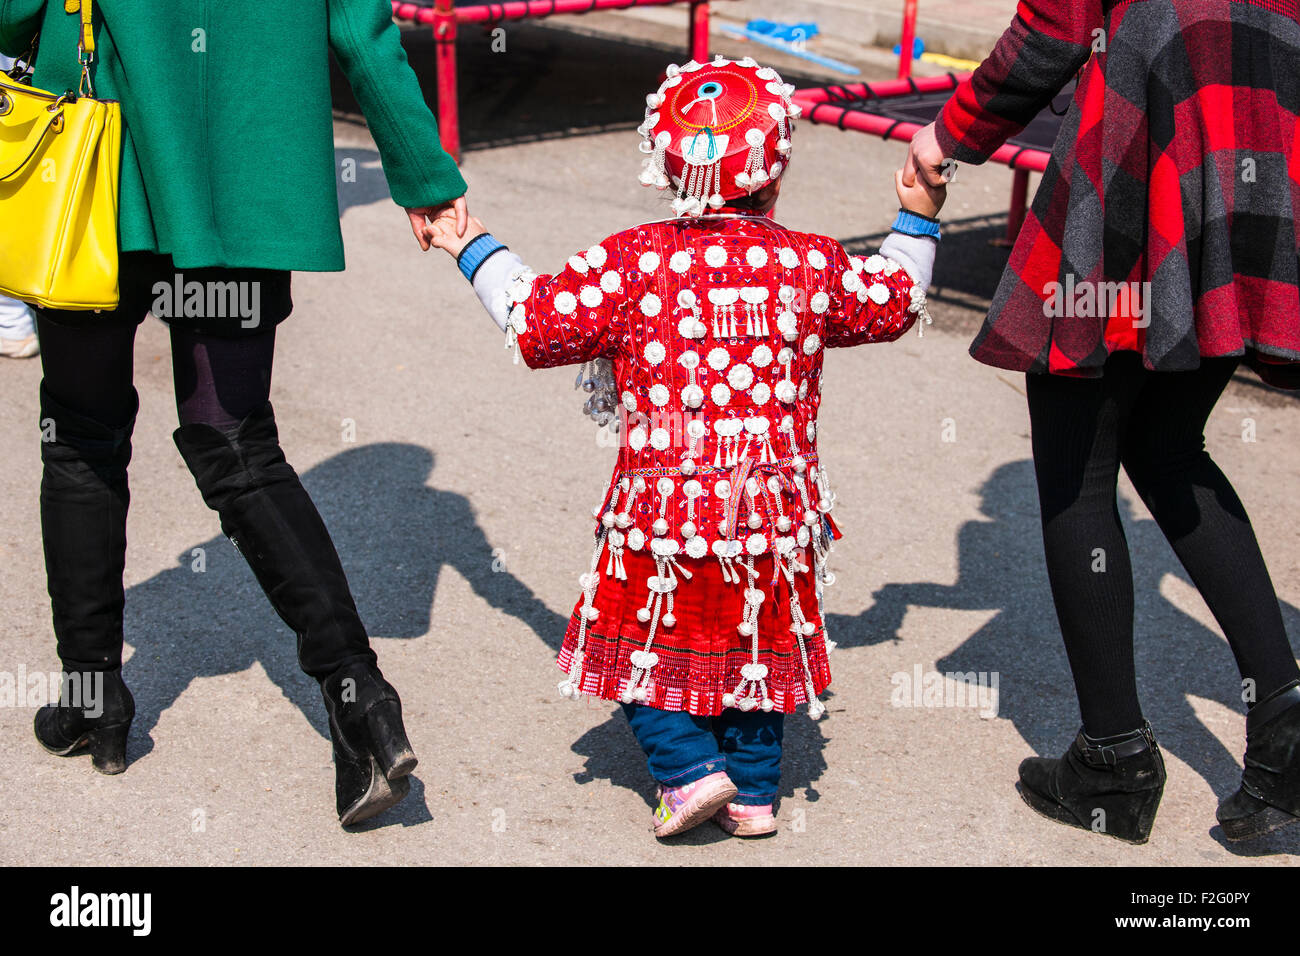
(870, 300)
(1046, 44)
(571, 317)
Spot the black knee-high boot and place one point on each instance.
(1111, 786)
(84, 500)
(264, 509)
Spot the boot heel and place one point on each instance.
(378, 796)
(1244, 816)
(1132, 819)
(388, 740)
(107, 746)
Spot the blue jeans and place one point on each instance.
(681, 748)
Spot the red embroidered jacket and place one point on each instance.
(715, 329)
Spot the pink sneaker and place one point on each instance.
(743, 820)
(681, 808)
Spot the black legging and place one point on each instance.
(218, 380)
(1154, 424)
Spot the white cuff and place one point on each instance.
(490, 283)
(914, 253)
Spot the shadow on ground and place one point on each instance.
(389, 526)
(1001, 569)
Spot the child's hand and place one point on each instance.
(441, 231)
(421, 216)
(921, 198)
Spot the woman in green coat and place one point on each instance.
(228, 185)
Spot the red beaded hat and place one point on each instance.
(716, 132)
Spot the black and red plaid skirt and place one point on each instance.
(1175, 182)
(701, 655)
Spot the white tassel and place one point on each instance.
(802, 628)
(754, 674)
(644, 660)
(749, 179)
(571, 686)
(918, 307)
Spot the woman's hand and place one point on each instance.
(926, 158)
(421, 217)
(445, 231)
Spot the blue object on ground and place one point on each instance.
(792, 49)
(789, 32)
(918, 47)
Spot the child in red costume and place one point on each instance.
(703, 337)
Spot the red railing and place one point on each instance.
(445, 18)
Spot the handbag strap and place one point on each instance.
(55, 123)
(85, 42)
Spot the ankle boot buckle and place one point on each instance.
(1129, 745)
(1266, 710)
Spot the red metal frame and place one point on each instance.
(1019, 205)
(908, 39)
(444, 17)
(819, 107)
(445, 29)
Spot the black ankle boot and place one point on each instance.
(372, 757)
(93, 715)
(1112, 785)
(1269, 796)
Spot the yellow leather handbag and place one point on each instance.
(60, 165)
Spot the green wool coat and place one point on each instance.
(228, 145)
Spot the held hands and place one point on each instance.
(457, 210)
(922, 183)
(920, 198)
(925, 158)
(445, 231)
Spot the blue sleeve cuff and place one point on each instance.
(476, 253)
(912, 224)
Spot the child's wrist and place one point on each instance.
(911, 223)
(477, 250)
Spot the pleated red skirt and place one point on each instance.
(701, 655)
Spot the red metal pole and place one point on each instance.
(818, 110)
(699, 31)
(1019, 203)
(444, 36)
(908, 40)
(501, 10)
(882, 89)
